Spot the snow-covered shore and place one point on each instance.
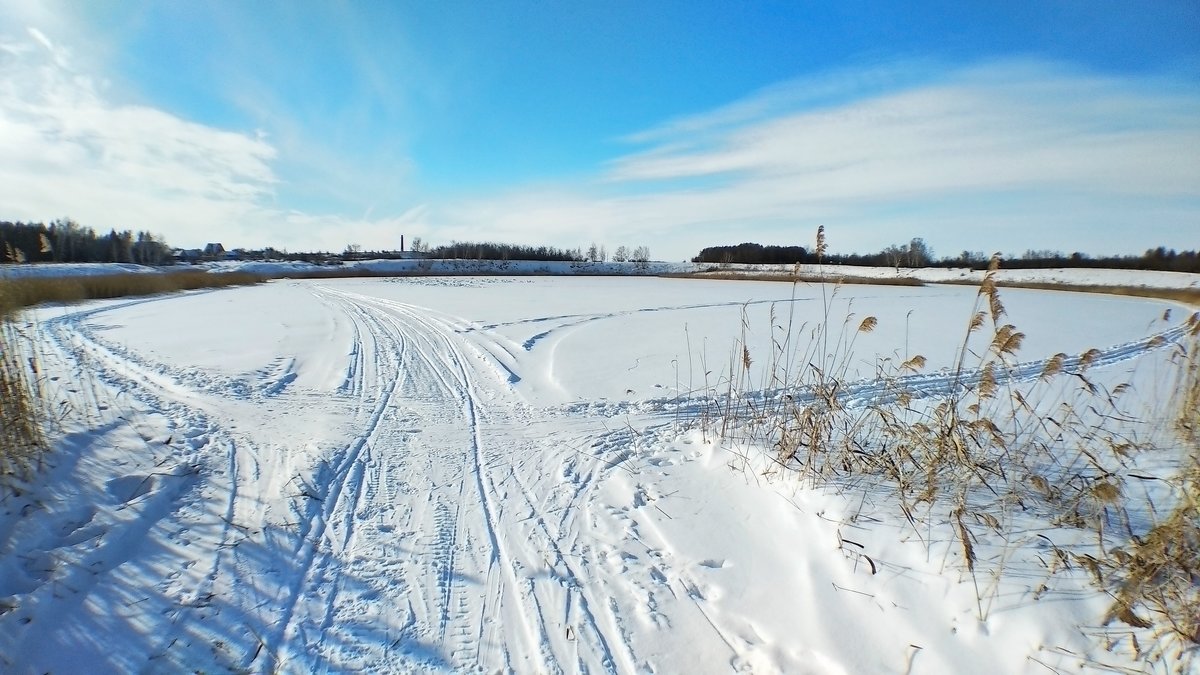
(1062, 276)
(503, 473)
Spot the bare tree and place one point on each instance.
(919, 253)
(895, 255)
(641, 256)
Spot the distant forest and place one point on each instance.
(917, 254)
(68, 241)
(493, 251)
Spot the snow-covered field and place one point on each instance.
(493, 474)
(1082, 277)
(43, 270)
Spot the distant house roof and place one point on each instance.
(214, 249)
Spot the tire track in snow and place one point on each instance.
(435, 548)
(613, 654)
(320, 564)
(447, 509)
(430, 391)
(447, 364)
(868, 391)
(401, 361)
(211, 451)
(586, 601)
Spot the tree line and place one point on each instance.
(493, 251)
(1158, 259)
(68, 241)
(639, 254)
(462, 250)
(916, 253)
(64, 240)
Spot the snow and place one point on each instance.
(1078, 277)
(278, 269)
(939, 275)
(496, 473)
(455, 267)
(43, 270)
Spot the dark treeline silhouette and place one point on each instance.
(913, 254)
(493, 251)
(1158, 259)
(753, 253)
(917, 254)
(68, 241)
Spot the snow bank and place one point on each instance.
(482, 267)
(1070, 276)
(495, 474)
(73, 270)
(936, 275)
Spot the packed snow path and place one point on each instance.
(432, 493)
(407, 490)
(423, 527)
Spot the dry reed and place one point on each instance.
(22, 420)
(1054, 446)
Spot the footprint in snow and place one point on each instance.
(128, 488)
(77, 520)
(657, 575)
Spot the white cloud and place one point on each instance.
(1006, 156)
(983, 131)
(70, 151)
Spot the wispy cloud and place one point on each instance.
(72, 151)
(985, 128)
(1006, 155)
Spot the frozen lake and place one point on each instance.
(484, 473)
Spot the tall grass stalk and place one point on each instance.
(23, 416)
(21, 438)
(1002, 447)
(1155, 576)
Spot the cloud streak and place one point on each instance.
(70, 151)
(1009, 155)
(990, 128)
(1001, 156)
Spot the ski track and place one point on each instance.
(446, 362)
(390, 553)
(875, 391)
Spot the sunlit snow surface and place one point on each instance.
(493, 474)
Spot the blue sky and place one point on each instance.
(675, 125)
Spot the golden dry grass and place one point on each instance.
(26, 292)
(22, 434)
(1156, 578)
(988, 453)
(1189, 296)
(804, 278)
(21, 439)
